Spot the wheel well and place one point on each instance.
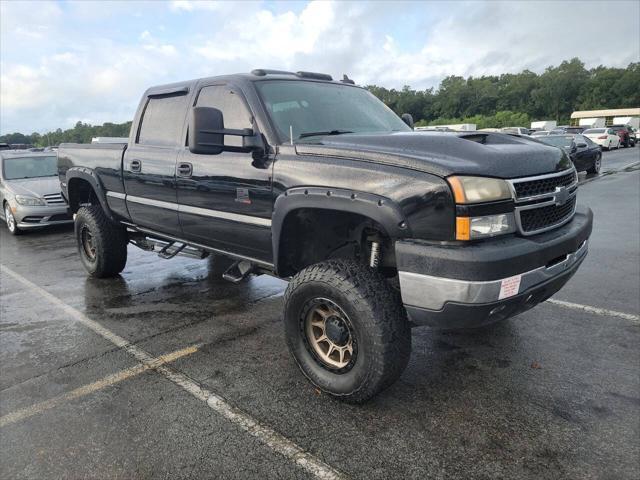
(312, 235)
(80, 192)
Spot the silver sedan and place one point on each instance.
(30, 191)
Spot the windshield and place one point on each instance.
(29, 167)
(309, 108)
(594, 130)
(561, 141)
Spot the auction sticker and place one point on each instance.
(509, 287)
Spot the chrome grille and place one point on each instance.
(54, 199)
(544, 202)
(540, 186)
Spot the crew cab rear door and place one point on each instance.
(149, 164)
(225, 200)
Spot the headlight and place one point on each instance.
(29, 201)
(478, 189)
(472, 228)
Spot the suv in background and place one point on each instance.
(626, 134)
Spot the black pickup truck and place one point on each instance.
(377, 228)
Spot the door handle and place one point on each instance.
(135, 165)
(185, 169)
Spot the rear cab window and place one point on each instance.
(162, 120)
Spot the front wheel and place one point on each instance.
(347, 329)
(102, 244)
(12, 225)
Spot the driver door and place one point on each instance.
(224, 200)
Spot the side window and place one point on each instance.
(234, 111)
(163, 120)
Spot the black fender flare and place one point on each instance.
(89, 175)
(382, 210)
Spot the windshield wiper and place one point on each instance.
(318, 134)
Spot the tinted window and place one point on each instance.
(163, 120)
(594, 130)
(29, 167)
(563, 141)
(315, 107)
(234, 111)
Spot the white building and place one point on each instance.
(602, 118)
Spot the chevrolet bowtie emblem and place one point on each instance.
(561, 196)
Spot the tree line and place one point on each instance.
(80, 133)
(510, 99)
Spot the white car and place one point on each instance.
(605, 137)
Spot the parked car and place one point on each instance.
(515, 130)
(625, 133)
(605, 137)
(563, 129)
(30, 191)
(376, 227)
(540, 133)
(585, 154)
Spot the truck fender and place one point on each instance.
(88, 175)
(375, 207)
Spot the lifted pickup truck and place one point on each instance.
(376, 227)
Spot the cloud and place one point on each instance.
(61, 62)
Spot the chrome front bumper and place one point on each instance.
(426, 291)
(468, 285)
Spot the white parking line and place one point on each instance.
(264, 433)
(596, 310)
(94, 387)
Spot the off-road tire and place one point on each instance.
(110, 240)
(379, 322)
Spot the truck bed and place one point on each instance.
(104, 159)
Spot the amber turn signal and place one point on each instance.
(463, 228)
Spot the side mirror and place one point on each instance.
(205, 125)
(207, 132)
(408, 119)
(582, 145)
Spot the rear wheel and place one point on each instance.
(102, 244)
(12, 225)
(597, 163)
(346, 329)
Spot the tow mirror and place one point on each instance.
(408, 119)
(205, 126)
(207, 132)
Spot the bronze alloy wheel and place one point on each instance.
(88, 244)
(329, 335)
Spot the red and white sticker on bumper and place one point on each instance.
(509, 287)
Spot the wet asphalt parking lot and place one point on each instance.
(170, 372)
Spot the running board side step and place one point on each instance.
(238, 271)
(167, 250)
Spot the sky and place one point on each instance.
(63, 62)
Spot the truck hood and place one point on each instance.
(443, 154)
(34, 187)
